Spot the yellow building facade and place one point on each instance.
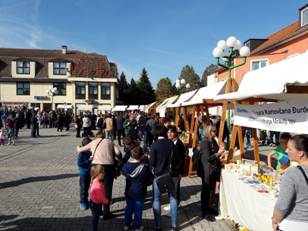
(81, 81)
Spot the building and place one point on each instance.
(285, 43)
(81, 81)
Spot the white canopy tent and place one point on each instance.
(104, 107)
(183, 97)
(132, 108)
(206, 93)
(65, 106)
(146, 108)
(161, 109)
(119, 108)
(274, 81)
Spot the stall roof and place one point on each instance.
(104, 107)
(206, 93)
(183, 98)
(273, 81)
(119, 108)
(166, 102)
(147, 107)
(132, 108)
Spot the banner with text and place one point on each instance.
(284, 117)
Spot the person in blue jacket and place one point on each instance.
(136, 173)
(84, 165)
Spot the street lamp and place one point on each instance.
(52, 92)
(180, 83)
(227, 51)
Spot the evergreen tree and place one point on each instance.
(146, 91)
(123, 87)
(209, 70)
(188, 73)
(164, 89)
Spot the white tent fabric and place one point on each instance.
(183, 98)
(65, 106)
(104, 107)
(271, 81)
(204, 93)
(132, 108)
(166, 102)
(119, 108)
(147, 107)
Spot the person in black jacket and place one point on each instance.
(210, 168)
(162, 155)
(181, 152)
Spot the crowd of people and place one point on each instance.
(160, 163)
(14, 119)
(147, 151)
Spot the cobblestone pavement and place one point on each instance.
(39, 190)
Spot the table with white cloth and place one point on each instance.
(244, 204)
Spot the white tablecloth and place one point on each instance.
(243, 204)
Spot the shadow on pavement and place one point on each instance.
(35, 179)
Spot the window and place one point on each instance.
(304, 16)
(93, 90)
(22, 67)
(61, 88)
(59, 68)
(105, 93)
(258, 64)
(23, 88)
(80, 90)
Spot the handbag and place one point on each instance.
(166, 182)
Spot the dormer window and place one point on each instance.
(59, 68)
(23, 67)
(304, 15)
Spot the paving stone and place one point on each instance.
(39, 190)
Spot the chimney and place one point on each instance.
(64, 49)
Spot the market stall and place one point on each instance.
(119, 108)
(133, 108)
(280, 92)
(200, 102)
(162, 108)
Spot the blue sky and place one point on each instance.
(160, 35)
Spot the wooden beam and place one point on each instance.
(195, 132)
(193, 118)
(222, 123)
(241, 141)
(255, 145)
(177, 116)
(232, 145)
(186, 123)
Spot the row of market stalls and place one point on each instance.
(143, 108)
(273, 98)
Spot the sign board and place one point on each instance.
(284, 117)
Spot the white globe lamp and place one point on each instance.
(217, 52)
(244, 51)
(177, 83)
(238, 45)
(187, 86)
(183, 81)
(231, 41)
(222, 44)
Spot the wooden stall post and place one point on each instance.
(255, 145)
(177, 116)
(185, 119)
(192, 121)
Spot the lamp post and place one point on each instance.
(227, 51)
(179, 83)
(51, 93)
